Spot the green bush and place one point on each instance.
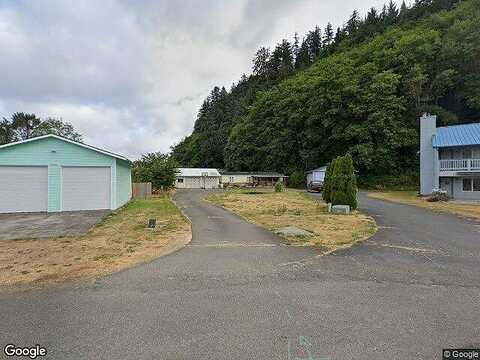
(157, 168)
(327, 182)
(407, 180)
(343, 183)
(294, 180)
(278, 186)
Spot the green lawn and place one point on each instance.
(273, 210)
(120, 240)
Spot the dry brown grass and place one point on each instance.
(273, 210)
(465, 209)
(120, 241)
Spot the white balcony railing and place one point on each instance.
(460, 165)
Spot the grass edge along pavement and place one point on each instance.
(120, 241)
(464, 209)
(273, 210)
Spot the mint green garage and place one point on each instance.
(51, 174)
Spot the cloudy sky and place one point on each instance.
(131, 74)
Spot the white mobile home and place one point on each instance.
(251, 178)
(316, 175)
(197, 178)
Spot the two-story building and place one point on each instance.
(450, 159)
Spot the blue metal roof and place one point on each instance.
(457, 135)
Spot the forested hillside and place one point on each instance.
(359, 91)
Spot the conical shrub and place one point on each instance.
(327, 182)
(343, 188)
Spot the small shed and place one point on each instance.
(51, 174)
(316, 175)
(197, 178)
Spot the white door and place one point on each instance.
(23, 189)
(86, 188)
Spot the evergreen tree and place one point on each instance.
(403, 11)
(384, 14)
(261, 62)
(327, 182)
(282, 60)
(372, 17)
(353, 23)
(392, 13)
(328, 35)
(361, 97)
(314, 41)
(295, 46)
(303, 59)
(343, 189)
(340, 35)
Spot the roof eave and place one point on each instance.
(69, 141)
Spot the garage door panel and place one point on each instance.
(86, 188)
(23, 189)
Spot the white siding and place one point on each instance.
(236, 179)
(23, 189)
(459, 194)
(315, 176)
(198, 182)
(86, 188)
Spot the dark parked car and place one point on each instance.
(315, 186)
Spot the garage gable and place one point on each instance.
(50, 149)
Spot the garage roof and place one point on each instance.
(66, 140)
(253, 173)
(192, 172)
(321, 168)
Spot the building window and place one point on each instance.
(476, 184)
(445, 155)
(232, 179)
(180, 181)
(467, 184)
(467, 153)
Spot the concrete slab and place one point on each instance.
(42, 225)
(340, 209)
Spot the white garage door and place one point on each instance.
(85, 188)
(23, 189)
(197, 182)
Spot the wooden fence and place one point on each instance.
(142, 190)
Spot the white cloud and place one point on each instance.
(131, 75)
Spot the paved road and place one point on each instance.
(238, 292)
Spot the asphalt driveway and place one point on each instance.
(239, 292)
(42, 225)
